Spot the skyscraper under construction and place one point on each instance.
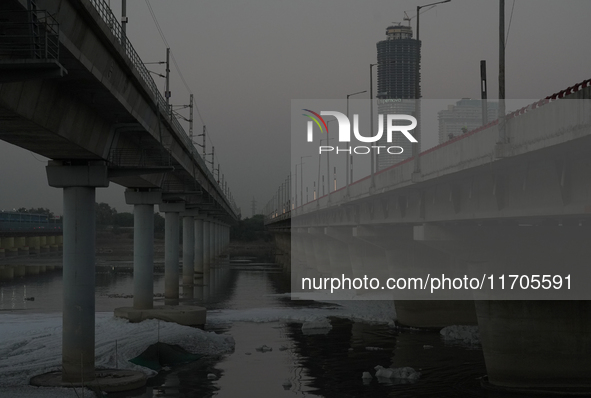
(397, 77)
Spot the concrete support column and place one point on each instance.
(206, 247)
(79, 282)
(34, 244)
(171, 250)
(188, 248)
(7, 243)
(226, 236)
(218, 238)
(51, 243)
(143, 246)
(20, 243)
(78, 183)
(44, 247)
(536, 345)
(212, 254)
(198, 260)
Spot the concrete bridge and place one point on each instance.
(73, 89)
(484, 206)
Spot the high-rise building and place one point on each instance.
(464, 116)
(397, 77)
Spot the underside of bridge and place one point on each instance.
(73, 89)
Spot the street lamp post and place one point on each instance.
(301, 180)
(372, 166)
(327, 160)
(327, 166)
(349, 176)
(415, 145)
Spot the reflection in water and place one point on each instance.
(300, 364)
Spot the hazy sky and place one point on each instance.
(246, 61)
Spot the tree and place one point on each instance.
(250, 229)
(105, 214)
(124, 219)
(158, 223)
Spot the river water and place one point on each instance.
(326, 363)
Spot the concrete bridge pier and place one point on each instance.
(206, 250)
(79, 184)
(283, 245)
(51, 242)
(536, 345)
(310, 268)
(44, 247)
(143, 246)
(319, 250)
(342, 238)
(7, 243)
(188, 246)
(531, 343)
(34, 244)
(198, 262)
(299, 266)
(223, 236)
(143, 262)
(418, 260)
(218, 246)
(298, 251)
(21, 245)
(286, 239)
(171, 251)
(212, 249)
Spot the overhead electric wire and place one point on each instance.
(178, 69)
(509, 27)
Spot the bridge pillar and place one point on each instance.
(298, 250)
(338, 254)
(206, 250)
(198, 260)
(188, 246)
(21, 245)
(79, 184)
(212, 254)
(171, 251)
(218, 238)
(536, 344)
(44, 247)
(143, 245)
(319, 250)
(530, 340)
(51, 243)
(34, 243)
(7, 243)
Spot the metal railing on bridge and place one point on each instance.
(110, 19)
(28, 222)
(29, 34)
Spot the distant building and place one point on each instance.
(464, 116)
(397, 76)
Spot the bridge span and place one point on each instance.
(481, 206)
(73, 89)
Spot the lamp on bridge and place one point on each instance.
(415, 145)
(372, 156)
(348, 157)
(301, 181)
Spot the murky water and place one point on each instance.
(300, 364)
